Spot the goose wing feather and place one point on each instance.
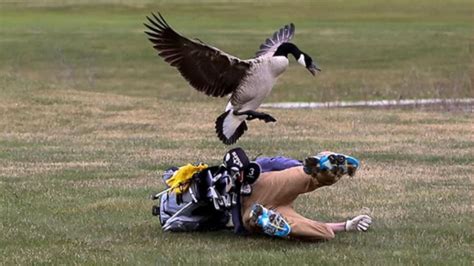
(206, 68)
(284, 34)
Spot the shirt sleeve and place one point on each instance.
(278, 163)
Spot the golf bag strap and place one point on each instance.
(237, 217)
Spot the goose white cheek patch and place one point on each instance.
(301, 60)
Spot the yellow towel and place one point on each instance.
(180, 180)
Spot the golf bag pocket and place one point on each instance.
(189, 210)
(189, 216)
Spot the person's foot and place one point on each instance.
(271, 222)
(338, 164)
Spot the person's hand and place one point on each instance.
(360, 223)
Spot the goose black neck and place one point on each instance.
(288, 48)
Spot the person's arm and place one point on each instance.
(337, 227)
(359, 223)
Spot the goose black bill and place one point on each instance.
(314, 69)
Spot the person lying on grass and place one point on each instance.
(269, 208)
(254, 197)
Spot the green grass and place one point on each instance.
(382, 50)
(89, 117)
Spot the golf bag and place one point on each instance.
(189, 211)
(213, 193)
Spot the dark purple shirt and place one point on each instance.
(278, 163)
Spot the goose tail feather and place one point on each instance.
(229, 127)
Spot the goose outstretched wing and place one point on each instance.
(285, 34)
(206, 68)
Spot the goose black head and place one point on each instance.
(304, 59)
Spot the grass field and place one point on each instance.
(89, 118)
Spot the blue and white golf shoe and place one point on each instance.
(271, 222)
(339, 164)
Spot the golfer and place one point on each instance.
(269, 208)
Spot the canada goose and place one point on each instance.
(218, 74)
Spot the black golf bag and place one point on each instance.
(212, 195)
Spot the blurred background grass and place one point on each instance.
(90, 116)
(367, 49)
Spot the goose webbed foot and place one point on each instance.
(251, 115)
(267, 118)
